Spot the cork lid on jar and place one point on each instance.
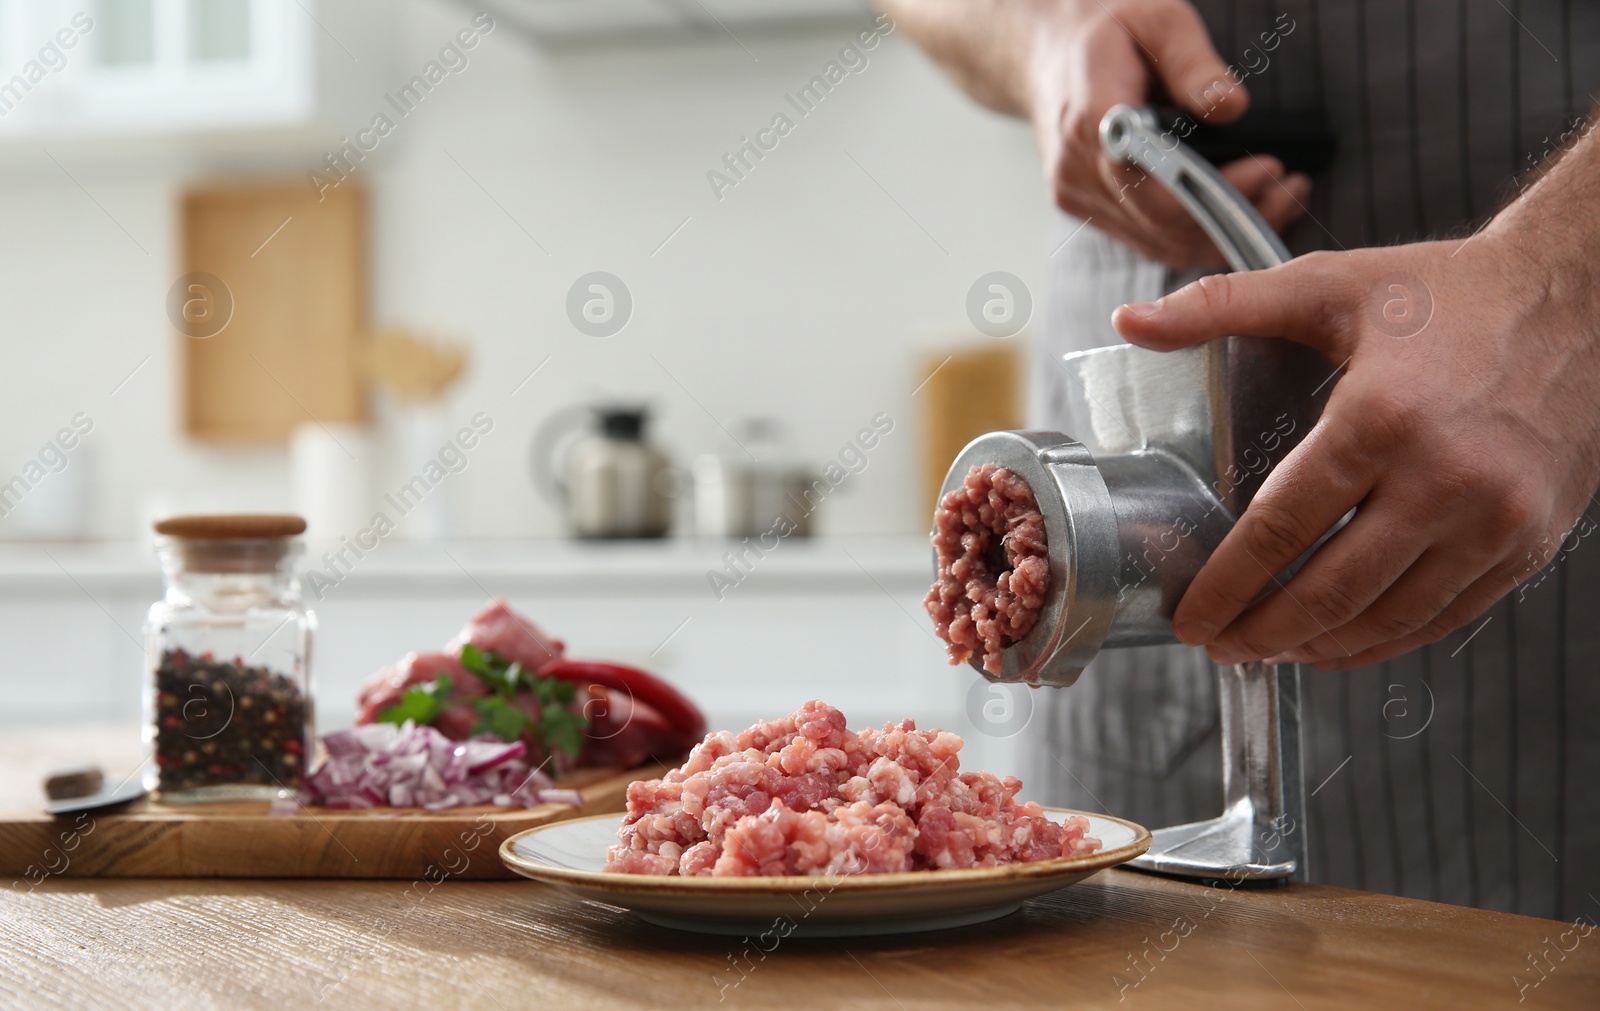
(232, 525)
(231, 542)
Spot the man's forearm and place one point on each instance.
(982, 44)
(1556, 220)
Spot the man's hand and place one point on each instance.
(1465, 433)
(1064, 63)
(1089, 55)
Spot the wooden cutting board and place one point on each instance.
(245, 841)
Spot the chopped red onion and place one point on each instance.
(382, 765)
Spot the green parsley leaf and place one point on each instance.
(477, 662)
(420, 704)
(558, 727)
(563, 730)
(500, 718)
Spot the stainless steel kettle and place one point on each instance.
(610, 482)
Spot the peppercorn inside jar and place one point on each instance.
(228, 696)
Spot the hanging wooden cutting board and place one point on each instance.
(293, 267)
(246, 841)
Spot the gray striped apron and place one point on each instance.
(1468, 771)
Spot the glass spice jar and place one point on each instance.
(228, 692)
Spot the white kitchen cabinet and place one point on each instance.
(561, 22)
(838, 622)
(61, 656)
(92, 69)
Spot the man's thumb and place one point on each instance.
(1179, 47)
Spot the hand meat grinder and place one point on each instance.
(1170, 448)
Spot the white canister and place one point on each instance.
(331, 479)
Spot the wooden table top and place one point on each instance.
(1118, 939)
(181, 943)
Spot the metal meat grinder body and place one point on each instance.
(1169, 449)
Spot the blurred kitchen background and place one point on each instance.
(290, 255)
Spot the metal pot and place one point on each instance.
(733, 499)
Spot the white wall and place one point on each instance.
(804, 293)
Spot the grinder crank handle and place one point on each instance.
(1133, 135)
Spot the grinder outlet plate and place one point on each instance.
(1081, 531)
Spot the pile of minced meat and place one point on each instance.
(994, 567)
(806, 795)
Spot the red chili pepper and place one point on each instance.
(638, 684)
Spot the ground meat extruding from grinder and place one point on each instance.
(805, 795)
(994, 567)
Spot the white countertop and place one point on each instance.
(31, 568)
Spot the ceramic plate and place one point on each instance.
(572, 855)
